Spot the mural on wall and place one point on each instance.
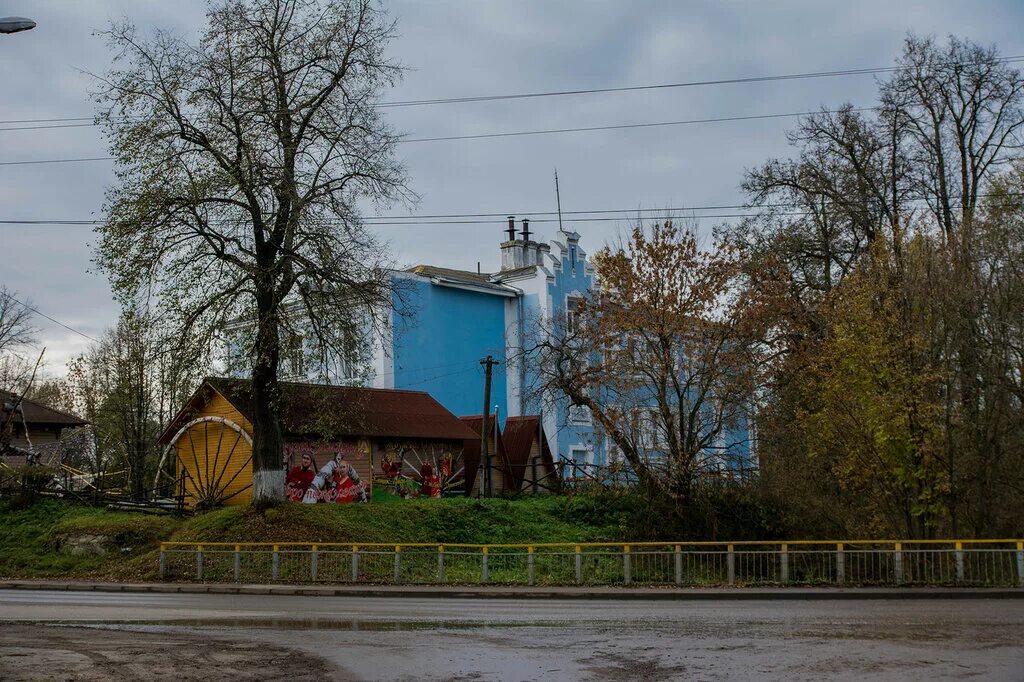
(337, 480)
(409, 470)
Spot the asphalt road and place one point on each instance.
(100, 636)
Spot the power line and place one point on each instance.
(414, 223)
(439, 376)
(586, 91)
(29, 163)
(626, 126)
(521, 133)
(751, 210)
(662, 86)
(46, 127)
(41, 314)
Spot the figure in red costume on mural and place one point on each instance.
(346, 481)
(337, 481)
(390, 466)
(300, 478)
(430, 483)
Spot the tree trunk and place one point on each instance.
(267, 446)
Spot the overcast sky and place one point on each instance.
(463, 48)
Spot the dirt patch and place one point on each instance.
(86, 654)
(632, 666)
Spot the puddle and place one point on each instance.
(332, 624)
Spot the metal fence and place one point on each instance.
(995, 563)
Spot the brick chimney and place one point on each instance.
(512, 248)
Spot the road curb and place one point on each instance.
(548, 593)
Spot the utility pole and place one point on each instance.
(485, 452)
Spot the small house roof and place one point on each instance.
(471, 449)
(39, 414)
(519, 435)
(321, 410)
(478, 280)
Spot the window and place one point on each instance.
(573, 306)
(579, 414)
(294, 356)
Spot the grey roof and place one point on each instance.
(449, 273)
(513, 273)
(482, 280)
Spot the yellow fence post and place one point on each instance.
(275, 564)
(440, 563)
(897, 563)
(238, 563)
(784, 564)
(959, 554)
(314, 561)
(1020, 564)
(355, 563)
(627, 566)
(679, 564)
(199, 562)
(398, 563)
(485, 573)
(730, 565)
(529, 565)
(163, 561)
(579, 564)
(840, 564)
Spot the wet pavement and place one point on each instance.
(94, 636)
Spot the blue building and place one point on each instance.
(445, 321)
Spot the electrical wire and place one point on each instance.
(42, 314)
(583, 216)
(591, 91)
(520, 133)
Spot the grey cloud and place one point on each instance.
(457, 47)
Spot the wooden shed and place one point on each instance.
(31, 431)
(475, 469)
(531, 465)
(394, 443)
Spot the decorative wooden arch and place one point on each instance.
(209, 486)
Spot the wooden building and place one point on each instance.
(530, 463)
(521, 459)
(397, 443)
(29, 429)
(475, 480)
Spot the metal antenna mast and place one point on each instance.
(558, 198)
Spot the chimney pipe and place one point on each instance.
(511, 229)
(526, 229)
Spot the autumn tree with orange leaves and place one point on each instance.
(662, 354)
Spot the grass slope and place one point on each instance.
(36, 539)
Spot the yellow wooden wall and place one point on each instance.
(202, 440)
(527, 473)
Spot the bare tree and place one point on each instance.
(16, 334)
(128, 385)
(243, 162)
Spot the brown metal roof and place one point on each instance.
(37, 413)
(519, 435)
(330, 411)
(471, 450)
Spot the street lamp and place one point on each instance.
(15, 24)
